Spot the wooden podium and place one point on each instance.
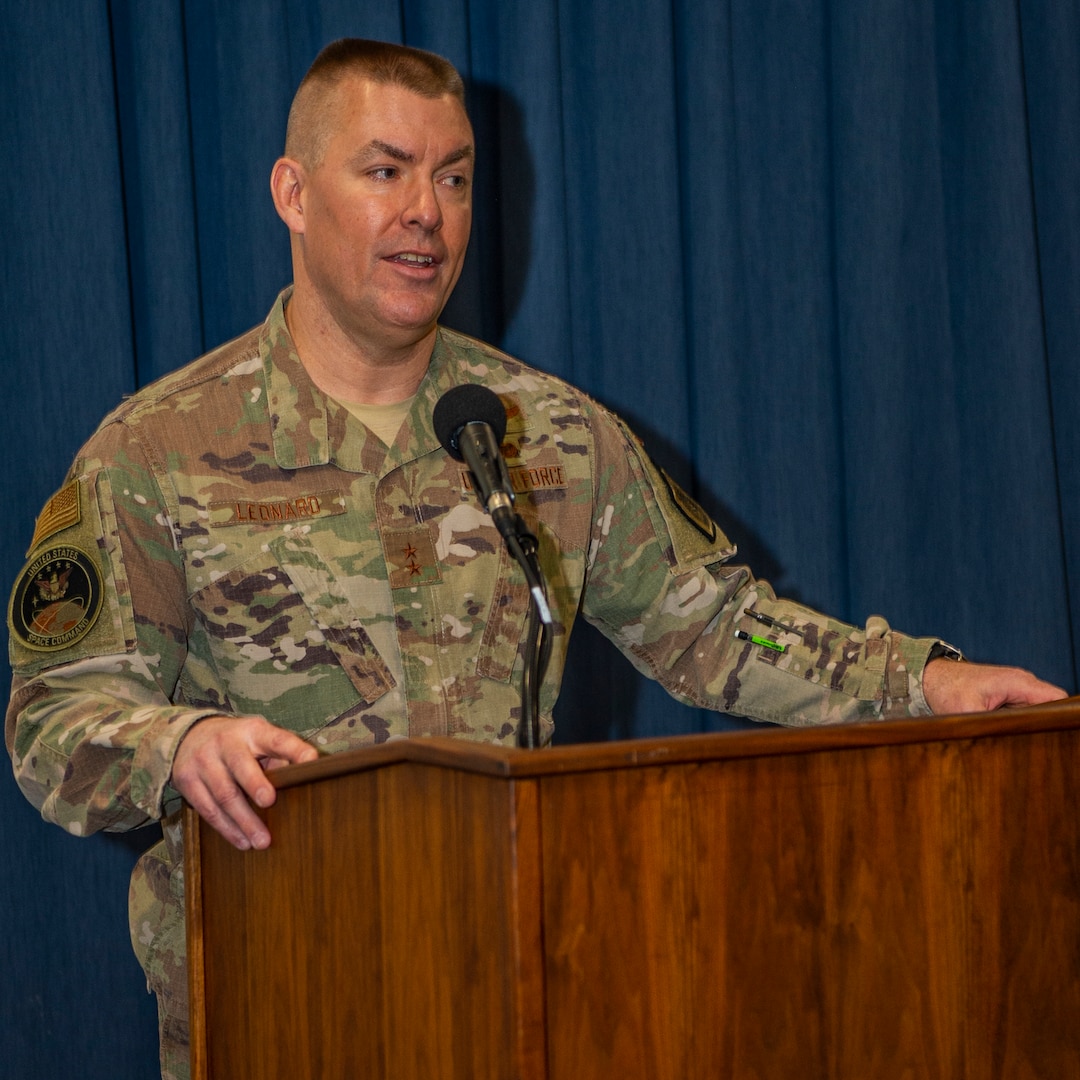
(880, 901)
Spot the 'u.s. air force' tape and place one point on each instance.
(56, 599)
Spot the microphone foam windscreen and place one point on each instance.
(463, 405)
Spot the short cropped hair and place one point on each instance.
(311, 116)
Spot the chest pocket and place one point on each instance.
(285, 641)
(505, 627)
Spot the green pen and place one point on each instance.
(765, 643)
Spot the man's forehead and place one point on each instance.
(356, 112)
(372, 96)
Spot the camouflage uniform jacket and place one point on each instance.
(230, 540)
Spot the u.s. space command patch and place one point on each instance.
(690, 509)
(56, 599)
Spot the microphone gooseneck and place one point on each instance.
(470, 423)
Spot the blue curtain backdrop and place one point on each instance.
(822, 254)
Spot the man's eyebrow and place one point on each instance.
(377, 148)
(462, 153)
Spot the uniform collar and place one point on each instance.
(308, 428)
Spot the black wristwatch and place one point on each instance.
(942, 650)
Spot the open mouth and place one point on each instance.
(411, 258)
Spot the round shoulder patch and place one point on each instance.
(56, 599)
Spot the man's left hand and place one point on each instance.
(953, 686)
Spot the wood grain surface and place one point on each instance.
(892, 900)
(905, 911)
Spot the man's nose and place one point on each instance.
(423, 207)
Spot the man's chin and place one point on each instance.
(412, 318)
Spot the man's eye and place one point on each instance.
(455, 181)
(384, 172)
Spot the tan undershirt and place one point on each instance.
(384, 420)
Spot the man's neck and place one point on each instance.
(347, 371)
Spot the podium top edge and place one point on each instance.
(510, 762)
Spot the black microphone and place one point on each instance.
(470, 422)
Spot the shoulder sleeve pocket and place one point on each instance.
(72, 600)
(692, 538)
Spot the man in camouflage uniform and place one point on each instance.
(240, 572)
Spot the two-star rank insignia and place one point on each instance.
(410, 557)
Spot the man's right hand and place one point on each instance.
(221, 764)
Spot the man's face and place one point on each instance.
(387, 212)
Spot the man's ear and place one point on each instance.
(286, 184)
